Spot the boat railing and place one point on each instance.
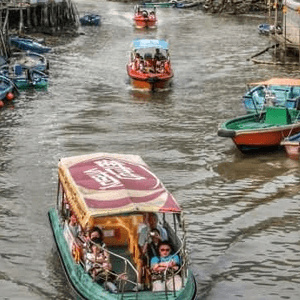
(181, 270)
(122, 277)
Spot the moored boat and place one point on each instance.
(261, 131)
(279, 91)
(28, 44)
(144, 17)
(114, 192)
(149, 67)
(25, 78)
(90, 19)
(30, 60)
(292, 146)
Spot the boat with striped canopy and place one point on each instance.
(115, 192)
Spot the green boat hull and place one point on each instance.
(86, 288)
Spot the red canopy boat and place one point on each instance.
(149, 67)
(144, 17)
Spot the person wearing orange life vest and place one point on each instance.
(136, 62)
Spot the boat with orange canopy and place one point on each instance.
(115, 193)
(144, 17)
(149, 66)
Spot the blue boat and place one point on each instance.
(30, 60)
(264, 28)
(28, 44)
(25, 78)
(90, 19)
(282, 92)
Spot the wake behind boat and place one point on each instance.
(149, 67)
(261, 131)
(104, 205)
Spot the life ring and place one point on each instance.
(76, 252)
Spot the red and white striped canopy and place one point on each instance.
(105, 184)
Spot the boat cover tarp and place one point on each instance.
(278, 81)
(110, 184)
(149, 43)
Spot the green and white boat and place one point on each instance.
(115, 192)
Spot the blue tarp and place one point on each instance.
(147, 43)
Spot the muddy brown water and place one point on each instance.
(242, 212)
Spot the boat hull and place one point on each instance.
(141, 22)
(292, 146)
(258, 134)
(150, 81)
(86, 288)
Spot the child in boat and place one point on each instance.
(165, 264)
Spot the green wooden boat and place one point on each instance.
(116, 193)
(262, 130)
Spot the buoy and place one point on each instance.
(10, 96)
(1, 103)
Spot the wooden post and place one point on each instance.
(21, 25)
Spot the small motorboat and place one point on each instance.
(291, 145)
(149, 66)
(144, 17)
(25, 78)
(279, 91)
(28, 44)
(115, 194)
(90, 19)
(264, 28)
(261, 131)
(29, 60)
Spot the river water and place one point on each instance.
(242, 212)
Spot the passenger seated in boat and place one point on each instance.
(97, 261)
(136, 62)
(159, 67)
(149, 63)
(144, 236)
(150, 248)
(141, 67)
(157, 55)
(163, 265)
(167, 66)
(145, 14)
(152, 15)
(74, 226)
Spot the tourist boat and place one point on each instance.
(156, 74)
(144, 17)
(279, 91)
(30, 60)
(90, 19)
(8, 90)
(291, 145)
(261, 131)
(25, 78)
(114, 192)
(28, 44)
